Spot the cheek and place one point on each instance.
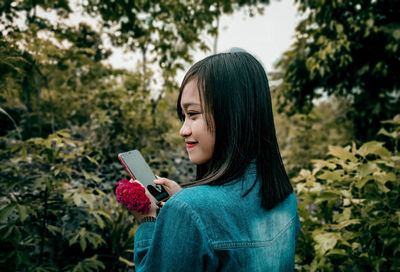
(199, 127)
(210, 140)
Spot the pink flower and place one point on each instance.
(133, 196)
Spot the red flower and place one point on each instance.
(133, 196)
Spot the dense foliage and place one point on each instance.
(347, 48)
(350, 210)
(55, 212)
(303, 137)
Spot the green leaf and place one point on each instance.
(367, 169)
(344, 216)
(341, 153)
(99, 220)
(73, 239)
(355, 245)
(378, 262)
(320, 164)
(125, 261)
(22, 210)
(382, 188)
(373, 147)
(5, 211)
(361, 183)
(84, 237)
(394, 121)
(53, 229)
(373, 222)
(81, 196)
(88, 265)
(384, 177)
(92, 160)
(90, 176)
(328, 196)
(346, 223)
(397, 216)
(393, 134)
(77, 199)
(337, 251)
(63, 133)
(346, 193)
(325, 241)
(82, 240)
(106, 215)
(336, 175)
(303, 175)
(8, 230)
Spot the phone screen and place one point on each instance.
(140, 170)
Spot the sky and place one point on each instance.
(265, 36)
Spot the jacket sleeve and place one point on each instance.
(177, 241)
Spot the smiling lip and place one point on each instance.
(190, 144)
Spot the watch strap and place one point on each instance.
(148, 219)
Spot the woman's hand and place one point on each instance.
(153, 207)
(169, 185)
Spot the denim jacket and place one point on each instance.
(214, 228)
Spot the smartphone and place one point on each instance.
(140, 170)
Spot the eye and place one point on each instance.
(192, 113)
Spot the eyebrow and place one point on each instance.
(186, 105)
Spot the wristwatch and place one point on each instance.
(148, 219)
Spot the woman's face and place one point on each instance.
(199, 139)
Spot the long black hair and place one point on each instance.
(233, 88)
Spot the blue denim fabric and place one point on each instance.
(214, 228)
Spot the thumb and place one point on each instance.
(169, 185)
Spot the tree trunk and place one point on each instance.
(37, 80)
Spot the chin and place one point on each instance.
(197, 160)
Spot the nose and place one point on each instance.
(185, 130)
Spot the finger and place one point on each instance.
(163, 182)
(166, 182)
(135, 180)
(169, 185)
(159, 181)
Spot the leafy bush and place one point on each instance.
(303, 137)
(350, 210)
(56, 213)
(57, 203)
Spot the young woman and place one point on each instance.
(240, 213)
